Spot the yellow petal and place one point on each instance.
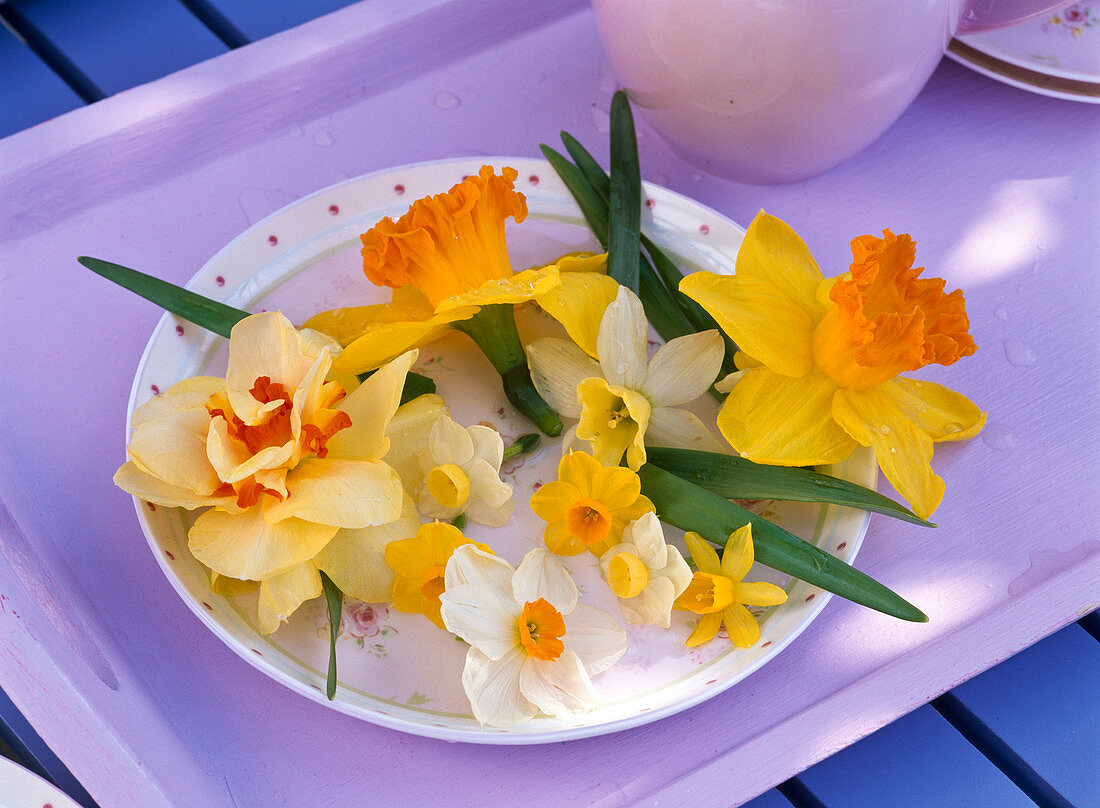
(131, 479)
(190, 393)
(408, 432)
(741, 626)
(941, 412)
(281, 595)
(172, 447)
(775, 419)
(346, 324)
(231, 587)
(763, 321)
(903, 450)
(247, 546)
(702, 553)
(551, 502)
(342, 493)
(616, 487)
(579, 304)
(705, 629)
(370, 407)
(515, 289)
(614, 419)
(737, 556)
(386, 341)
(772, 252)
(759, 593)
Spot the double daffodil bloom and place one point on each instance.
(418, 563)
(589, 506)
(290, 468)
(822, 357)
(718, 593)
(645, 573)
(533, 647)
(625, 399)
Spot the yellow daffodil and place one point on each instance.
(418, 563)
(461, 473)
(533, 648)
(645, 573)
(625, 399)
(822, 357)
(718, 593)
(589, 505)
(291, 468)
(444, 259)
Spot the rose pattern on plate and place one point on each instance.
(1072, 21)
(360, 622)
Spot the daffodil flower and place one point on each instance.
(625, 399)
(718, 593)
(589, 506)
(447, 262)
(290, 468)
(461, 468)
(822, 357)
(645, 573)
(418, 563)
(533, 648)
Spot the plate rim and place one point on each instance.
(486, 735)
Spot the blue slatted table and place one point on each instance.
(1023, 733)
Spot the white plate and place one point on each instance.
(20, 788)
(1056, 55)
(399, 670)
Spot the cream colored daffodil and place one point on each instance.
(645, 573)
(461, 474)
(718, 593)
(290, 467)
(821, 358)
(533, 648)
(625, 399)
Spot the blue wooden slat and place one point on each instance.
(123, 43)
(916, 762)
(1044, 705)
(36, 94)
(769, 799)
(259, 18)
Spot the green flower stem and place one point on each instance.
(737, 478)
(521, 445)
(335, 600)
(689, 507)
(494, 330)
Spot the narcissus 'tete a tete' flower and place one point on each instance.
(533, 647)
(291, 468)
(822, 357)
(718, 593)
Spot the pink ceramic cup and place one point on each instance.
(774, 91)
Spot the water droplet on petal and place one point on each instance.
(885, 429)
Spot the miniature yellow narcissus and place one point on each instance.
(822, 357)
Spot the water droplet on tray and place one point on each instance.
(1001, 314)
(1020, 354)
(998, 437)
(601, 119)
(446, 100)
(323, 138)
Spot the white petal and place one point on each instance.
(622, 341)
(408, 435)
(652, 606)
(449, 442)
(557, 367)
(648, 537)
(485, 618)
(370, 406)
(488, 444)
(682, 370)
(595, 637)
(540, 575)
(492, 686)
(671, 426)
(560, 688)
(469, 565)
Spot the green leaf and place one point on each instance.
(416, 386)
(625, 197)
(335, 600)
(593, 208)
(592, 170)
(737, 478)
(202, 311)
(689, 507)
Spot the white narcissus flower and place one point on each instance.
(533, 648)
(460, 470)
(291, 468)
(626, 400)
(645, 573)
